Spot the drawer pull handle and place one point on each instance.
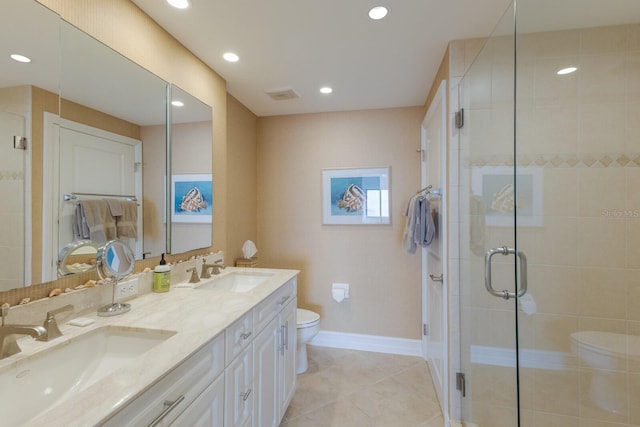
(245, 395)
(284, 299)
(168, 407)
(245, 335)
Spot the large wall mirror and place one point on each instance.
(27, 90)
(96, 127)
(191, 206)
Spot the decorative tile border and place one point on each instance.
(11, 176)
(582, 160)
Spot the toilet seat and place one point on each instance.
(609, 343)
(307, 318)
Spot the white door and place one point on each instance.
(93, 161)
(434, 260)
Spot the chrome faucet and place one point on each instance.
(51, 325)
(207, 268)
(194, 275)
(8, 344)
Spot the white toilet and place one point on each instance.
(307, 324)
(606, 354)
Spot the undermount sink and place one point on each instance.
(36, 383)
(236, 281)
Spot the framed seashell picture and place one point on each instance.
(192, 198)
(505, 194)
(355, 196)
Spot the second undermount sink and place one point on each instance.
(236, 281)
(37, 383)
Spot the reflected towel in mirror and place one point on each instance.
(95, 216)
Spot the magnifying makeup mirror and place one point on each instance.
(115, 261)
(77, 257)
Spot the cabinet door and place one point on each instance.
(266, 403)
(238, 390)
(207, 410)
(287, 364)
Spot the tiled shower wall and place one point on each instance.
(582, 131)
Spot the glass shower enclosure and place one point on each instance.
(549, 218)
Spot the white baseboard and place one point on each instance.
(379, 344)
(529, 358)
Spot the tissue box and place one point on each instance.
(243, 262)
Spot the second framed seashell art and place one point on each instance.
(355, 196)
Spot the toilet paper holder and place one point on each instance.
(340, 291)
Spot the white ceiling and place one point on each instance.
(305, 44)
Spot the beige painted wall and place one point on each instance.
(242, 210)
(385, 280)
(125, 28)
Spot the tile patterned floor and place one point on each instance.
(347, 388)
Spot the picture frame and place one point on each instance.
(192, 198)
(494, 186)
(355, 196)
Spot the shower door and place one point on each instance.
(488, 377)
(549, 176)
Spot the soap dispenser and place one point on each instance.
(161, 276)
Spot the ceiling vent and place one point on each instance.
(282, 94)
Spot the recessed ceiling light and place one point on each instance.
(179, 4)
(326, 90)
(231, 57)
(177, 103)
(567, 70)
(378, 12)
(20, 58)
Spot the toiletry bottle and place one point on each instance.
(161, 276)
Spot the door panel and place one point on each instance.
(434, 257)
(487, 201)
(92, 162)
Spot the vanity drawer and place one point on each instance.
(182, 386)
(271, 306)
(238, 336)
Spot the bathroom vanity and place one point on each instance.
(210, 355)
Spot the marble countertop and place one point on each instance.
(196, 316)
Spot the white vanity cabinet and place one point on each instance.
(244, 377)
(238, 374)
(275, 349)
(179, 390)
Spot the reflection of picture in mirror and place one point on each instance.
(192, 198)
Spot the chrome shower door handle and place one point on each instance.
(523, 272)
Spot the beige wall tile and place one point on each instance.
(602, 78)
(554, 289)
(553, 332)
(556, 43)
(633, 37)
(560, 195)
(587, 323)
(601, 189)
(552, 89)
(634, 398)
(557, 392)
(633, 296)
(603, 39)
(632, 76)
(601, 242)
(632, 127)
(602, 127)
(603, 293)
(633, 243)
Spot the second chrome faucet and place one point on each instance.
(208, 268)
